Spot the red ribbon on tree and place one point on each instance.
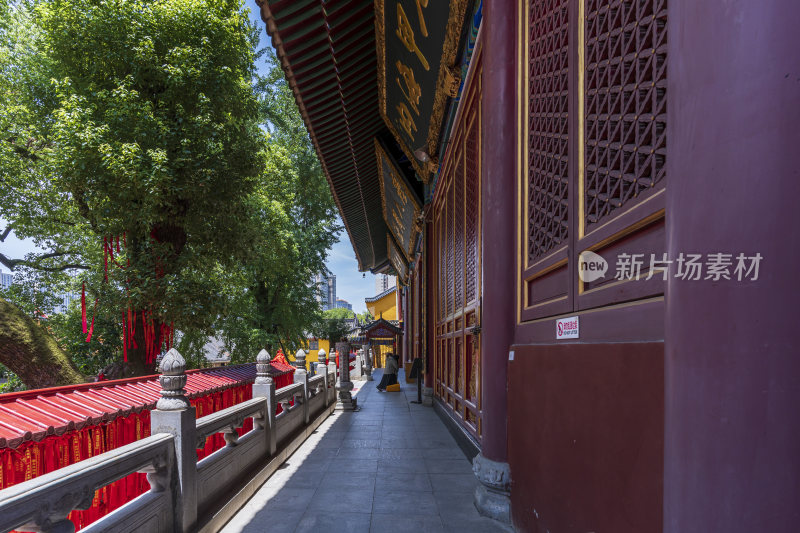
(83, 306)
(91, 328)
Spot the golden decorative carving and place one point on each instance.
(404, 194)
(443, 87)
(452, 82)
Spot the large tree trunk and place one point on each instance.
(137, 357)
(28, 350)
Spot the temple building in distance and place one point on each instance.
(584, 203)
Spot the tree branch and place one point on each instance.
(11, 264)
(5, 233)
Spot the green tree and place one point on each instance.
(294, 220)
(31, 207)
(338, 312)
(145, 121)
(158, 145)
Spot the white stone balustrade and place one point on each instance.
(186, 495)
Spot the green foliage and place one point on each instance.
(147, 119)
(293, 217)
(158, 138)
(365, 317)
(89, 357)
(332, 329)
(338, 312)
(12, 382)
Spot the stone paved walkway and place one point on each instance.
(390, 467)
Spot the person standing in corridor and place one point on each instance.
(389, 372)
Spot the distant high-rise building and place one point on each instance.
(383, 282)
(67, 300)
(331, 291)
(327, 287)
(6, 280)
(344, 304)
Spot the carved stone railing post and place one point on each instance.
(324, 370)
(345, 402)
(359, 364)
(332, 371)
(174, 415)
(368, 362)
(322, 367)
(300, 359)
(301, 376)
(332, 364)
(264, 387)
(321, 359)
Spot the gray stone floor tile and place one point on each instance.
(333, 521)
(402, 502)
(402, 466)
(336, 499)
(360, 443)
(401, 453)
(333, 442)
(455, 503)
(356, 434)
(302, 480)
(391, 467)
(450, 452)
(312, 464)
(398, 431)
(354, 466)
(448, 466)
(263, 521)
(391, 523)
(444, 441)
(346, 482)
(453, 482)
(399, 442)
(288, 498)
(391, 481)
(367, 422)
(359, 453)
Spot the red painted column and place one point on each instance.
(499, 251)
(406, 323)
(732, 362)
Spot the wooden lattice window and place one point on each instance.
(471, 187)
(548, 142)
(626, 102)
(456, 216)
(595, 154)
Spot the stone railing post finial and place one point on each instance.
(321, 356)
(300, 359)
(172, 379)
(263, 376)
(300, 373)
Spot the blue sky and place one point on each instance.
(351, 285)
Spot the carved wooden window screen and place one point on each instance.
(595, 154)
(457, 233)
(548, 140)
(626, 103)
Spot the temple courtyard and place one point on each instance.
(392, 466)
